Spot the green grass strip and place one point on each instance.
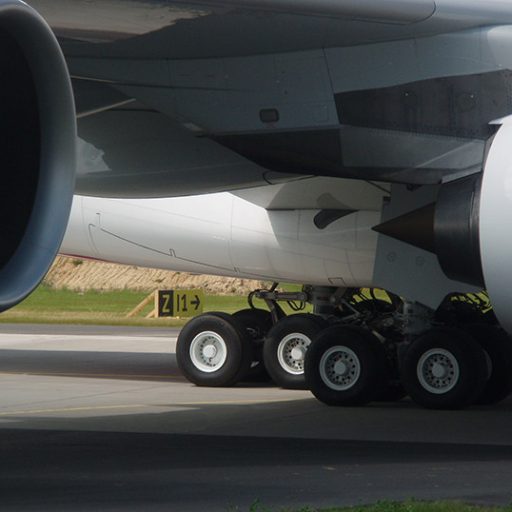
(392, 506)
(47, 305)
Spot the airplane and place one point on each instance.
(336, 144)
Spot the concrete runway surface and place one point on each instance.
(99, 418)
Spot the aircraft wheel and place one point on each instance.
(444, 369)
(256, 322)
(213, 350)
(285, 348)
(346, 366)
(497, 346)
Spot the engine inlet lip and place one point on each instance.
(47, 223)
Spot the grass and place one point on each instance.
(389, 506)
(47, 305)
(421, 506)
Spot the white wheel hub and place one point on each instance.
(340, 368)
(292, 351)
(298, 353)
(438, 371)
(208, 351)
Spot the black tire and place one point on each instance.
(498, 347)
(256, 322)
(290, 332)
(364, 361)
(228, 336)
(453, 352)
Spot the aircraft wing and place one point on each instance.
(385, 11)
(224, 28)
(177, 98)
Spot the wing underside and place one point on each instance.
(182, 97)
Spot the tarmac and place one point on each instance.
(99, 418)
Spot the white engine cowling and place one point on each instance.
(496, 225)
(37, 150)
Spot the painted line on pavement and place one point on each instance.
(115, 376)
(73, 409)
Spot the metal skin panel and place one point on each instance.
(421, 108)
(145, 154)
(224, 235)
(180, 29)
(318, 194)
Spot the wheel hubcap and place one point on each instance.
(340, 368)
(438, 371)
(292, 351)
(298, 353)
(208, 351)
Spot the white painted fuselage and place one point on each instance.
(223, 234)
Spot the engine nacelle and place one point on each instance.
(468, 227)
(496, 225)
(473, 226)
(37, 150)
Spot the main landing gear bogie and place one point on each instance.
(358, 348)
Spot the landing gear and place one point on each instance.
(256, 322)
(213, 350)
(497, 346)
(444, 369)
(357, 346)
(285, 348)
(345, 366)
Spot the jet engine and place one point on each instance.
(473, 227)
(37, 150)
(469, 227)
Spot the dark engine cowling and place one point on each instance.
(37, 150)
(473, 227)
(457, 231)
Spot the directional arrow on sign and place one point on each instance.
(196, 302)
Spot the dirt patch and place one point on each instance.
(81, 275)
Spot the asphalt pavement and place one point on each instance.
(99, 418)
